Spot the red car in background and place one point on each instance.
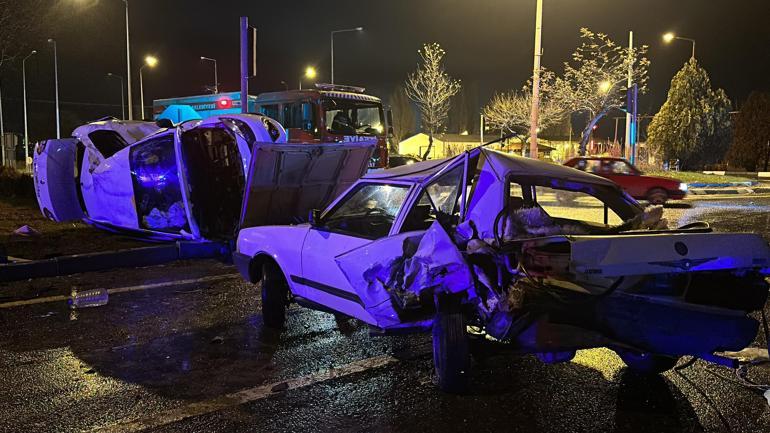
(656, 190)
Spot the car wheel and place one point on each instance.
(275, 296)
(657, 196)
(450, 349)
(647, 363)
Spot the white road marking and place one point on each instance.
(60, 298)
(244, 396)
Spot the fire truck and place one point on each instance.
(329, 113)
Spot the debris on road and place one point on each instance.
(217, 340)
(26, 231)
(88, 298)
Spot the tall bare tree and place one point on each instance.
(431, 88)
(595, 82)
(510, 111)
(403, 116)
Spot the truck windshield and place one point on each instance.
(350, 117)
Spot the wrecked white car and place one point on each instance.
(178, 183)
(479, 246)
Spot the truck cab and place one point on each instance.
(329, 113)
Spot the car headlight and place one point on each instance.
(683, 187)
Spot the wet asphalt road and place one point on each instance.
(194, 357)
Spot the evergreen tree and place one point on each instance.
(693, 125)
(751, 144)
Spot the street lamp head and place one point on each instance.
(668, 37)
(310, 72)
(51, 41)
(33, 52)
(151, 61)
(359, 29)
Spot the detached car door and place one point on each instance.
(366, 213)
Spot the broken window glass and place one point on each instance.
(445, 191)
(368, 212)
(157, 193)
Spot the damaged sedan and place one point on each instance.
(480, 248)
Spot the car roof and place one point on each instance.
(503, 164)
(608, 158)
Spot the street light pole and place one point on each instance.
(141, 93)
(670, 36)
(24, 85)
(331, 37)
(122, 93)
(627, 145)
(216, 76)
(150, 61)
(2, 130)
(128, 66)
(56, 80)
(533, 118)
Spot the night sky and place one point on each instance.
(488, 43)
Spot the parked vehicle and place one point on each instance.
(654, 189)
(396, 160)
(329, 113)
(185, 182)
(480, 243)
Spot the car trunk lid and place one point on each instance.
(665, 253)
(286, 181)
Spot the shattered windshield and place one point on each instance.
(369, 211)
(351, 117)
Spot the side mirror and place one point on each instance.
(314, 217)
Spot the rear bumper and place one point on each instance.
(242, 262)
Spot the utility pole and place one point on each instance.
(533, 118)
(629, 79)
(24, 84)
(128, 66)
(56, 80)
(2, 130)
(481, 128)
(244, 65)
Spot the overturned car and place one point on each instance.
(187, 182)
(479, 246)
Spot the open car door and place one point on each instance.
(286, 181)
(56, 184)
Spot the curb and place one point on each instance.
(135, 257)
(731, 191)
